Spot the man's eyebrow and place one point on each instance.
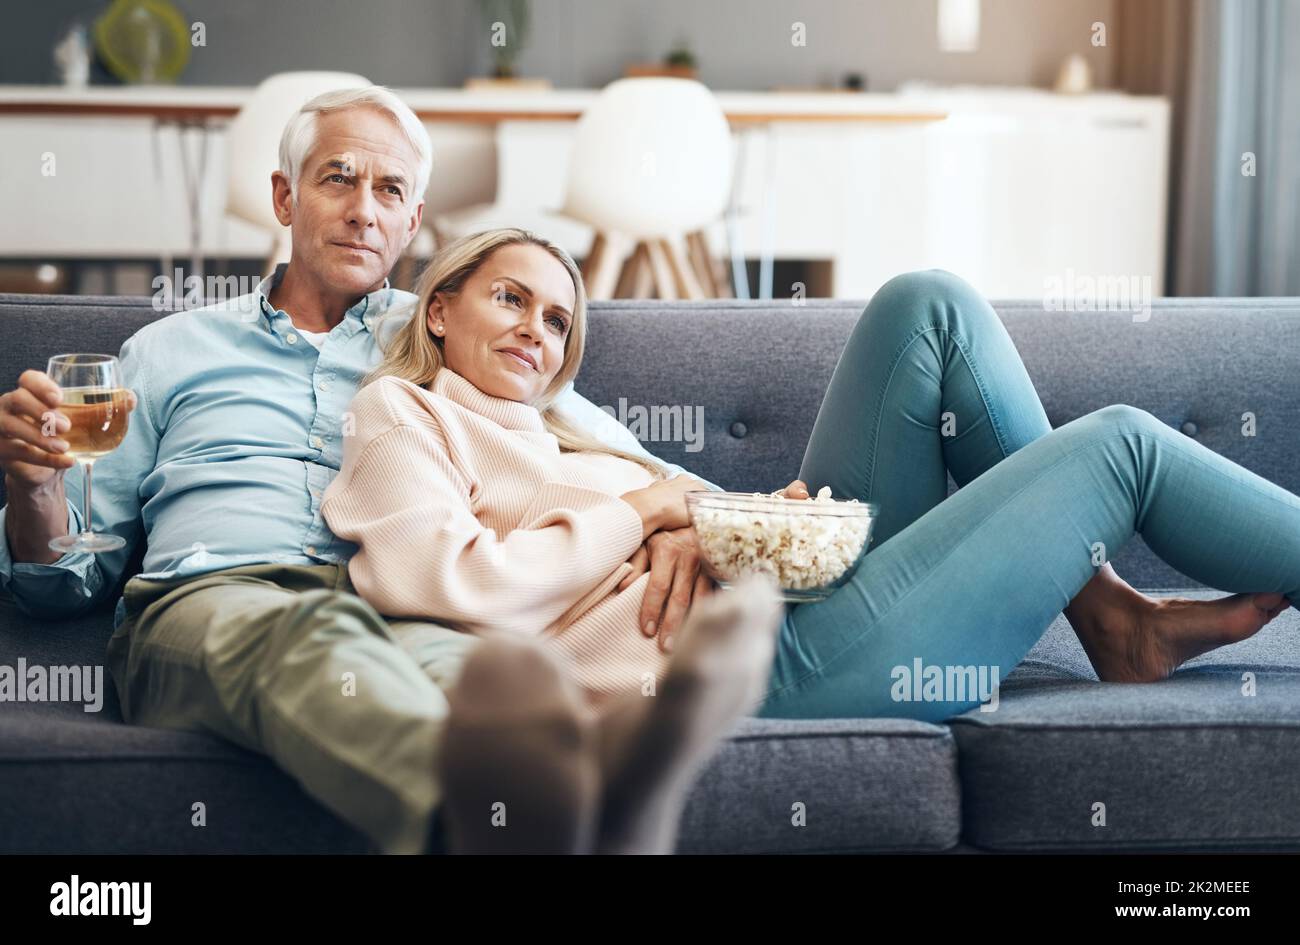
(530, 292)
(340, 164)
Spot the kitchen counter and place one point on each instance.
(194, 103)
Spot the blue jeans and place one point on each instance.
(930, 383)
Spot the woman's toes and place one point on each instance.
(1171, 631)
(1187, 628)
(1246, 614)
(1270, 604)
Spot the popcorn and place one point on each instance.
(801, 550)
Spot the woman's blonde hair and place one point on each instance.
(416, 354)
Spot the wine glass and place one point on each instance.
(97, 405)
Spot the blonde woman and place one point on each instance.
(474, 503)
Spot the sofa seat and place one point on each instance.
(1190, 763)
(73, 781)
(1193, 762)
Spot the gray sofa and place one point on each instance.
(1188, 764)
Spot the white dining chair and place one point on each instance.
(650, 167)
(605, 190)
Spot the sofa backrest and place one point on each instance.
(757, 371)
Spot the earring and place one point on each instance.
(438, 328)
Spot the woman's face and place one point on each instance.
(516, 309)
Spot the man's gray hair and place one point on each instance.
(299, 135)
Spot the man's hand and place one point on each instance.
(673, 560)
(32, 449)
(33, 458)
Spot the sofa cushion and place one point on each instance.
(75, 786)
(827, 786)
(73, 781)
(1191, 762)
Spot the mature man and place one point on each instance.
(242, 622)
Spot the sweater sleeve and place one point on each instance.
(424, 554)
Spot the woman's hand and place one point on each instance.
(673, 560)
(797, 490)
(672, 557)
(662, 504)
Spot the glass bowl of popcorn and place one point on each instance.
(811, 546)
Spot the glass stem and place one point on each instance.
(86, 529)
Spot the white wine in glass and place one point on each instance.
(97, 405)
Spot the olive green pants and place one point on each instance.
(286, 660)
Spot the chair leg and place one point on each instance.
(600, 270)
(623, 288)
(699, 263)
(642, 277)
(592, 259)
(662, 270)
(635, 280)
(688, 287)
(711, 272)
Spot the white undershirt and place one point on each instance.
(314, 338)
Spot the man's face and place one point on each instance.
(355, 211)
(520, 298)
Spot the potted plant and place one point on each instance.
(508, 23)
(679, 63)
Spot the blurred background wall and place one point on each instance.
(740, 44)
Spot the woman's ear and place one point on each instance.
(434, 319)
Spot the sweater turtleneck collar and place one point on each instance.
(510, 414)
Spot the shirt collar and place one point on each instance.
(374, 303)
(510, 414)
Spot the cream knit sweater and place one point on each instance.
(467, 513)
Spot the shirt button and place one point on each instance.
(291, 338)
(311, 550)
(317, 442)
(738, 429)
(324, 385)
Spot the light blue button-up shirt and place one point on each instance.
(238, 430)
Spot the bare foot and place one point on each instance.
(1146, 641)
